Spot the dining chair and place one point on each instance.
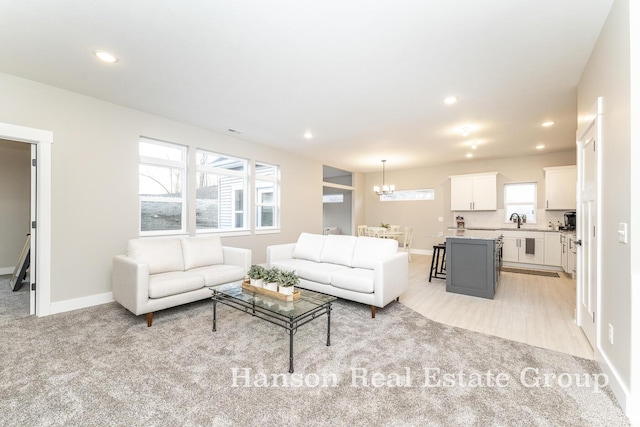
(394, 228)
(362, 230)
(408, 238)
(377, 231)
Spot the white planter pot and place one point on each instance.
(273, 286)
(256, 282)
(286, 290)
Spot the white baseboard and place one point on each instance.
(6, 270)
(620, 390)
(84, 302)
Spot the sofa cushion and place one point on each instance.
(173, 283)
(338, 249)
(201, 251)
(161, 255)
(291, 264)
(320, 272)
(219, 274)
(309, 246)
(356, 279)
(369, 250)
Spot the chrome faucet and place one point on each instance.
(517, 216)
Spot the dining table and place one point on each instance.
(383, 233)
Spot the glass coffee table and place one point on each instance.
(289, 315)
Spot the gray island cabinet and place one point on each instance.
(474, 261)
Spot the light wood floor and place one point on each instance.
(536, 310)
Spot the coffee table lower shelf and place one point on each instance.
(256, 306)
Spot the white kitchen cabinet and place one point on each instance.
(514, 247)
(564, 241)
(560, 187)
(474, 192)
(553, 249)
(571, 255)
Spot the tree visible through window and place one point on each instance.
(161, 173)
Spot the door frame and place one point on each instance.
(42, 140)
(595, 119)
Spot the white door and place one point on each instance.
(587, 235)
(33, 240)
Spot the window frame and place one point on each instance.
(167, 164)
(533, 202)
(258, 190)
(221, 172)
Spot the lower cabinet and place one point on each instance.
(553, 249)
(523, 246)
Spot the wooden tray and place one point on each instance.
(296, 293)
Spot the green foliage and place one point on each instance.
(289, 278)
(272, 275)
(383, 225)
(256, 272)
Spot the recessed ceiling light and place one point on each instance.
(469, 155)
(308, 135)
(549, 123)
(450, 100)
(105, 56)
(540, 146)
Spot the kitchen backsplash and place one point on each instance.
(495, 219)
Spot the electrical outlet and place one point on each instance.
(440, 219)
(610, 334)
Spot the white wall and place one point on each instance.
(607, 74)
(95, 176)
(15, 191)
(423, 215)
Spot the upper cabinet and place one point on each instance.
(560, 187)
(475, 192)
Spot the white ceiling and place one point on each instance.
(366, 77)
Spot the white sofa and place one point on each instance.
(363, 269)
(160, 273)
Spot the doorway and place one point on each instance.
(40, 142)
(337, 201)
(588, 209)
(15, 204)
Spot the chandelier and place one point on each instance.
(386, 189)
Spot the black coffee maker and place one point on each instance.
(569, 220)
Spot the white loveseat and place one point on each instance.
(362, 269)
(160, 273)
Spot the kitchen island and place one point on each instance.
(474, 260)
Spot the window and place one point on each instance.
(221, 188)
(267, 196)
(161, 187)
(405, 195)
(333, 198)
(520, 199)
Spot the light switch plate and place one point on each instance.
(622, 232)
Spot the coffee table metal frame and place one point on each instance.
(229, 296)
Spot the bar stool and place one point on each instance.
(438, 266)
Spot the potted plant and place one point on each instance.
(288, 281)
(271, 278)
(383, 225)
(256, 275)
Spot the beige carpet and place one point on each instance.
(102, 366)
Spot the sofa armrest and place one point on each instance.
(279, 252)
(237, 256)
(131, 284)
(391, 278)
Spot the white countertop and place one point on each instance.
(465, 233)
